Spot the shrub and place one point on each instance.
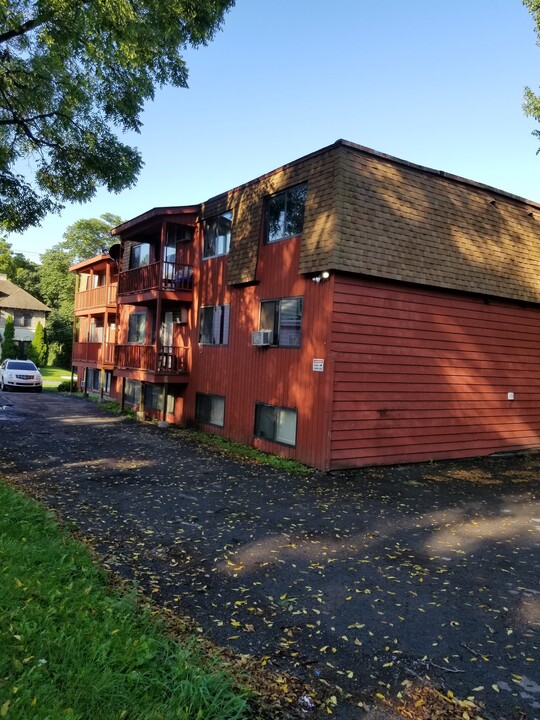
(9, 346)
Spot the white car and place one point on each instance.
(20, 374)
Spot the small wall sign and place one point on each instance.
(318, 365)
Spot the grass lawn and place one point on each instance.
(72, 648)
(53, 376)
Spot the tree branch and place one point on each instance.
(21, 30)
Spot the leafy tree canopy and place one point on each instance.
(531, 104)
(72, 72)
(88, 237)
(19, 269)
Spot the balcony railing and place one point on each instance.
(168, 361)
(100, 353)
(157, 276)
(96, 297)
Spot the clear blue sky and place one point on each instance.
(435, 82)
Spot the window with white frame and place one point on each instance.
(210, 409)
(217, 235)
(214, 325)
(274, 423)
(137, 328)
(284, 217)
(283, 318)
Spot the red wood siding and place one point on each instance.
(423, 374)
(246, 375)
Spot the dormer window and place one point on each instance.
(285, 214)
(217, 235)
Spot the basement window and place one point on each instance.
(277, 424)
(210, 409)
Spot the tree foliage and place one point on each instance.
(9, 346)
(19, 270)
(37, 350)
(531, 101)
(72, 74)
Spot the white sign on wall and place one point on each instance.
(318, 365)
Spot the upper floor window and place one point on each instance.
(137, 328)
(139, 255)
(217, 235)
(285, 214)
(22, 319)
(284, 318)
(214, 325)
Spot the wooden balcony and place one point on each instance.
(173, 280)
(144, 362)
(96, 298)
(96, 354)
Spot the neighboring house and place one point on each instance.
(25, 309)
(347, 309)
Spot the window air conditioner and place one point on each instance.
(180, 316)
(261, 338)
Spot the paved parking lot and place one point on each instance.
(353, 581)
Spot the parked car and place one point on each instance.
(20, 374)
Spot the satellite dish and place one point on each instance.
(114, 252)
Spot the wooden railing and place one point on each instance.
(96, 352)
(96, 297)
(168, 361)
(157, 276)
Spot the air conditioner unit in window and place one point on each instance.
(180, 316)
(261, 338)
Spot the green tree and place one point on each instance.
(73, 73)
(60, 339)
(37, 350)
(9, 346)
(531, 101)
(89, 236)
(20, 270)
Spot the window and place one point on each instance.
(94, 379)
(153, 398)
(137, 328)
(22, 319)
(275, 423)
(285, 214)
(217, 235)
(107, 385)
(96, 330)
(132, 394)
(214, 325)
(210, 409)
(139, 255)
(284, 318)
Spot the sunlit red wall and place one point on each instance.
(423, 374)
(245, 374)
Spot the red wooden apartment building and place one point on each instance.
(348, 308)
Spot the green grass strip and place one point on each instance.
(72, 649)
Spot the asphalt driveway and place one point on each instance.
(355, 582)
